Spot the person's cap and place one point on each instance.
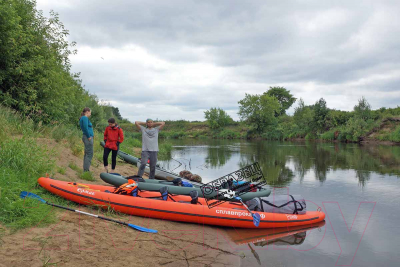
(149, 120)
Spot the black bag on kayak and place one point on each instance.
(288, 204)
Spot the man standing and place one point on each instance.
(149, 145)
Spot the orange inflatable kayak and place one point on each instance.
(175, 208)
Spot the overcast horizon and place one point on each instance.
(175, 59)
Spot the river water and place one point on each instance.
(357, 186)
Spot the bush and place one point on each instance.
(164, 152)
(217, 118)
(178, 135)
(356, 128)
(227, 134)
(273, 133)
(311, 136)
(395, 136)
(330, 135)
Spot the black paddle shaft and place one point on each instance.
(97, 216)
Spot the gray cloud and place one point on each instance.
(193, 55)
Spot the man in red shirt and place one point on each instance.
(113, 136)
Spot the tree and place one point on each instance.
(217, 118)
(303, 116)
(116, 113)
(320, 112)
(35, 70)
(258, 110)
(363, 109)
(284, 97)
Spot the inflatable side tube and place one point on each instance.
(150, 186)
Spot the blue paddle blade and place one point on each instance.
(142, 228)
(25, 194)
(238, 198)
(256, 219)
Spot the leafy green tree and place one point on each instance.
(217, 118)
(303, 116)
(320, 113)
(35, 70)
(284, 97)
(258, 110)
(116, 113)
(363, 109)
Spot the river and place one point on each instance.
(356, 186)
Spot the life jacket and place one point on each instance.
(180, 182)
(186, 184)
(127, 188)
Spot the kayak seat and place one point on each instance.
(195, 198)
(164, 194)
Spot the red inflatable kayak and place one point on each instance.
(175, 208)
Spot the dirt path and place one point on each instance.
(79, 240)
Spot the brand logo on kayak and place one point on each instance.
(235, 184)
(291, 217)
(80, 190)
(237, 213)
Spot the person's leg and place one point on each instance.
(105, 157)
(153, 162)
(87, 158)
(89, 154)
(114, 159)
(143, 162)
(84, 150)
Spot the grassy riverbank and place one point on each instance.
(29, 150)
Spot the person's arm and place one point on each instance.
(121, 136)
(138, 123)
(160, 123)
(85, 126)
(105, 134)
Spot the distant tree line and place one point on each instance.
(265, 115)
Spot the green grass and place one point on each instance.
(22, 161)
(88, 176)
(164, 152)
(61, 170)
(2, 233)
(74, 167)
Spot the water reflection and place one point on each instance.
(218, 156)
(281, 162)
(280, 237)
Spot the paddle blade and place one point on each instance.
(256, 219)
(25, 194)
(142, 228)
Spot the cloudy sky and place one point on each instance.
(174, 59)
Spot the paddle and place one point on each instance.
(25, 194)
(256, 216)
